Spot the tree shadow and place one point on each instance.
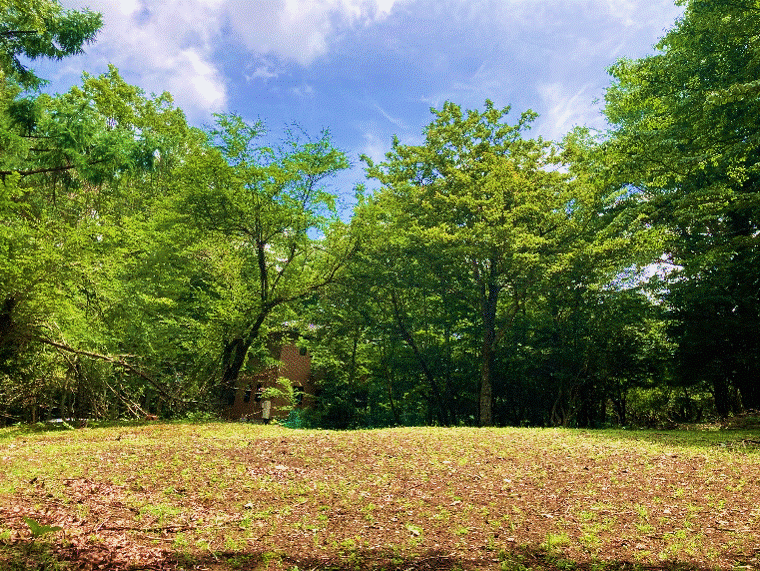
(25, 555)
(743, 438)
(28, 555)
(526, 558)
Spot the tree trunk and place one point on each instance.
(8, 342)
(236, 350)
(489, 300)
(720, 395)
(392, 402)
(749, 387)
(486, 387)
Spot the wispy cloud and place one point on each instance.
(547, 55)
(303, 91)
(565, 108)
(264, 69)
(372, 68)
(388, 117)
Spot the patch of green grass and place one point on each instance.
(27, 556)
(159, 514)
(554, 541)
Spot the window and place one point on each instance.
(247, 396)
(302, 351)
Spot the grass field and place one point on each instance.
(237, 496)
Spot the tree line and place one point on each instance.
(489, 277)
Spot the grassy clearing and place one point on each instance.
(233, 496)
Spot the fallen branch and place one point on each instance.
(120, 362)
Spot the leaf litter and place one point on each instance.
(228, 496)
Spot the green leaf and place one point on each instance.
(40, 530)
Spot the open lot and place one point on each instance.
(236, 496)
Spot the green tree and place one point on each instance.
(489, 207)
(685, 145)
(408, 308)
(75, 168)
(262, 228)
(28, 31)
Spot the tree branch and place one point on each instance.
(115, 361)
(61, 168)
(11, 33)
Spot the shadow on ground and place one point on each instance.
(522, 559)
(44, 556)
(31, 555)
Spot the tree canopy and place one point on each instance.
(491, 277)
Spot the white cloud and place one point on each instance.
(527, 53)
(565, 108)
(263, 68)
(167, 44)
(374, 146)
(547, 55)
(129, 7)
(198, 80)
(171, 44)
(299, 30)
(303, 91)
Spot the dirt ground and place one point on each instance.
(226, 496)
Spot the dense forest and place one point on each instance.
(489, 278)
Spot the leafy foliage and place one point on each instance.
(40, 28)
(492, 278)
(260, 227)
(684, 137)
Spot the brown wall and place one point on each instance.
(293, 366)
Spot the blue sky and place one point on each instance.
(369, 69)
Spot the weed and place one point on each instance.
(590, 539)
(160, 513)
(40, 530)
(180, 542)
(642, 511)
(554, 541)
(512, 562)
(243, 561)
(442, 514)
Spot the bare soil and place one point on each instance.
(230, 496)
